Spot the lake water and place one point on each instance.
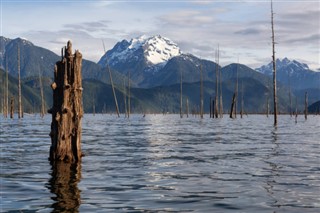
(163, 163)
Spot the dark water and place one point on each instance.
(165, 164)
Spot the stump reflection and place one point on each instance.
(64, 184)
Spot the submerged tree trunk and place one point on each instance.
(42, 109)
(217, 87)
(4, 96)
(181, 115)
(210, 107)
(296, 112)
(112, 85)
(216, 106)
(11, 107)
(7, 90)
(232, 105)
(201, 92)
(306, 106)
(187, 108)
(236, 94)
(67, 110)
(125, 98)
(220, 85)
(275, 105)
(242, 107)
(129, 107)
(290, 98)
(267, 107)
(20, 113)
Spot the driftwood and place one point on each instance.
(67, 110)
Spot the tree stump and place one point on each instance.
(67, 110)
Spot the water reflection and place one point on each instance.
(64, 184)
(274, 169)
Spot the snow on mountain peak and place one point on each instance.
(283, 64)
(156, 50)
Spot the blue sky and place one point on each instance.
(240, 27)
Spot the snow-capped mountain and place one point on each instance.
(283, 65)
(146, 53)
(292, 72)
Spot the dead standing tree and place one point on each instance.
(67, 110)
(275, 101)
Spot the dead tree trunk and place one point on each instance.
(129, 107)
(201, 92)
(112, 85)
(42, 110)
(181, 115)
(7, 90)
(275, 106)
(4, 110)
(232, 105)
(67, 110)
(20, 113)
(125, 98)
(290, 98)
(220, 85)
(306, 106)
(296, 111)
(210, 107)
(241, 112)
(11, 107)
(216, 106)
(187, 108)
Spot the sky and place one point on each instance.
(241, 28)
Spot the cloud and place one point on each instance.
(248, 31)
(239, 27)
(93, 26)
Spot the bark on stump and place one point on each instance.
(67, 110)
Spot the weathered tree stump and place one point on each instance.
(67, 110)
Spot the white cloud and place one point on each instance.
(239, 27)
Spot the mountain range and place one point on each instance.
(155, 65)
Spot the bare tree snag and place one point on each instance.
(187, 108)
(232, 105)
(181, 115)
(11, 107)
(67, 110)
(275, 105)
(20, 112)
(129, 107)
(306, 106)
(42, 109)
(216, 106)
(201, 92)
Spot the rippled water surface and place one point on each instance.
(162, 163)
